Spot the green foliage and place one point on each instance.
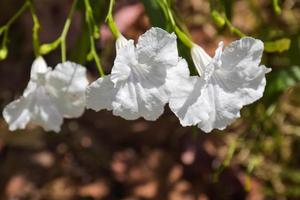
(280, 80)
(156, 15)
(276, 7)
(82, 43)
(280, 45)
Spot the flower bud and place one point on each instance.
(218, 18)
(200, 58)
(96, 33)
(47, 48)
(89, 57)
(3, 53)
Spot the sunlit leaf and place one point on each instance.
(276, 7)
(278, 45)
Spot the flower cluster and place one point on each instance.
(144, 78)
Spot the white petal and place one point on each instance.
(200, 58)
(214, 64)
(44, 112)
(179, 71)
(188, 102)
(157, 47)
(16, 114)
(134, 100)
(148, 64)
(67, 84)
(140, 75)
(31, 87)
(38, 75)
(240, 70)
(143, 94)
(237, 81)
(124, 61)
(100, 94)
(121, 42)
(37, 108)
(225, 108)
(241, 53)
(125, 104)
(39, 67)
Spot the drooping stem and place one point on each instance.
(110, 21)
(35, 29)
(276, 7)
(230, 153)
(181, 35)
(17, 14)
(61, 40)
(65, 31)
(228, 23)
(91, 26)
(4, 29)
(233, 29)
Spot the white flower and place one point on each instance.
(121, 42)
(49, 96)
(137, 86)
(232, 79)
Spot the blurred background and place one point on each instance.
(100, 156)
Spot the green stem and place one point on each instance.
(5, 36)
(170, 14)
(95, 55)
(65, 31)
(17, 15)
(233, 29)
(91, 24)
(181, 35)
(111, 23)
(184, 38)
(230, 153)
(276, 7)
(35, 29)
(4, 29)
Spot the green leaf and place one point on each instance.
(291, 175)
(83, 44)
(280, 80)
(156, 15)
(278, 45)
(296, 72)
